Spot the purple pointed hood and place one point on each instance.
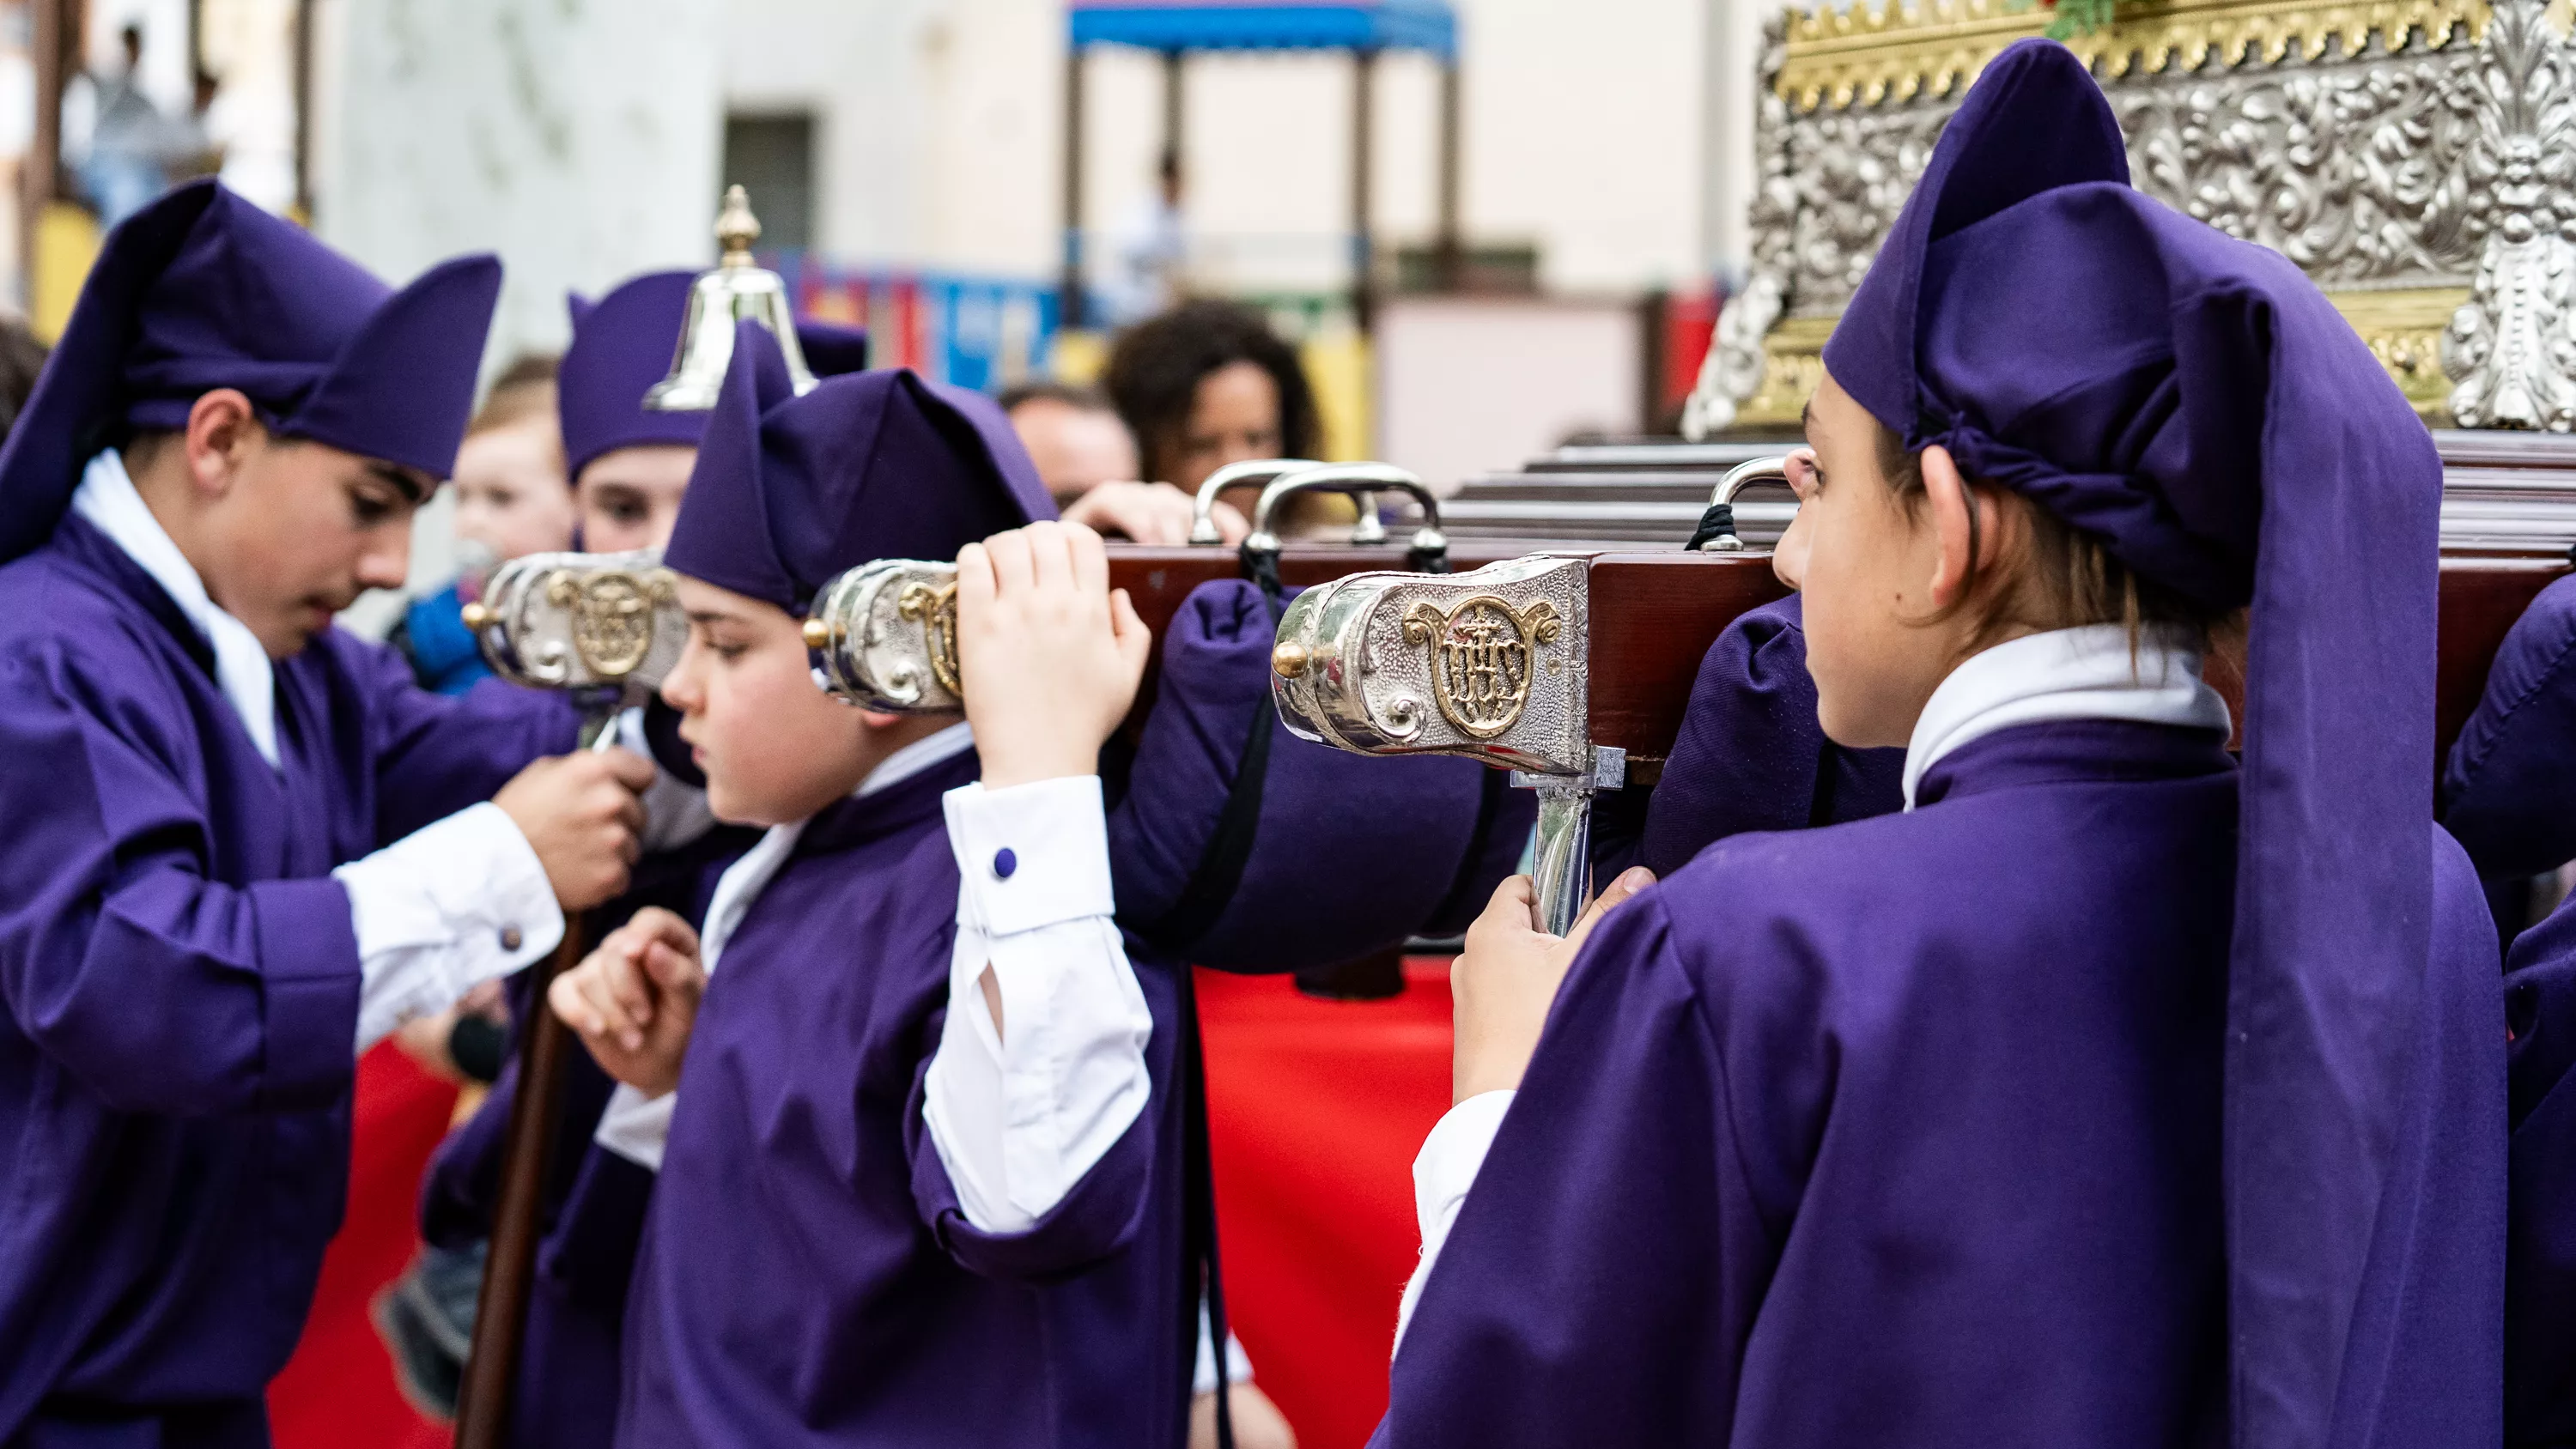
(623, 343)
(202, 290)
(789, 491)
(2196, 403)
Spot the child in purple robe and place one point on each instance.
(902, 1198)
(631, 465)
(2110, 1094)
(242, 846)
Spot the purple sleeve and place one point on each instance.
(2509, 792)
(1602, 1244)
(436, 754)
(2540, 1352)
(159, 989)
(1099, 1217)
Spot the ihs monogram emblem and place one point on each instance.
(1482, 657)
(936, 609)
(612, 615)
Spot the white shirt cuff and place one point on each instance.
(1018, 1123)
(636, 1127)
(1442, 1173)
(441, 911)
(1031, 855)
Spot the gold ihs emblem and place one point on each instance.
(1483, 651)
(935, 607)
(612, 615)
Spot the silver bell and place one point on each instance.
(737, 290)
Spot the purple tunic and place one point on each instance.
(2540, 1300)
(1935, 1144)
(182, 985)
(807, 1275)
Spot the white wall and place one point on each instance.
(1471, 385)
(579, 142)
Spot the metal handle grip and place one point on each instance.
(1203, 529)
(1363, 481)
(1716, 533)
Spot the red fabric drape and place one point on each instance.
(1315, 1110)
(338, 1390)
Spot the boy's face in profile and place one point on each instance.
(775, 748)
(293, 531)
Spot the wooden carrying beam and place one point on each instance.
(1655, 614)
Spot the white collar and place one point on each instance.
(920, 755)
(2086, 673)
(108, 498)
(746, 878)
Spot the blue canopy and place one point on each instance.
(1179, 25)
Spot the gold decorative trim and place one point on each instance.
(1864, 56)
(1484, 653)
(935, 609)
(2403, 329)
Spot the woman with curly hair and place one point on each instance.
(1206, 384)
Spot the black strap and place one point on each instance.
(1198, 1202)
(1220, 869)
(1717, 522)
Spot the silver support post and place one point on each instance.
(1561, 869)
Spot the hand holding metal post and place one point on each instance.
(605, 629)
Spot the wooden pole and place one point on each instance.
(304, 110)
(42, 181)
(1449, 253)
(1175, 122)
(501, 1310)
(1070, 284)
(1363, 146)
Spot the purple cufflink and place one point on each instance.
(1004, 863)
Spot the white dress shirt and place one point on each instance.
(438, 912)
(2087, 673)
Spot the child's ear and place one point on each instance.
(1959, 532)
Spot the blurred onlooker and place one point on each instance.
(1087, 459)
(114, 138)
(1207, 384)
(511, 499)
(191, 148)
(1149, 250)
(22, 357)
(1073, 436)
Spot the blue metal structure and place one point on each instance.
(1176, 28)
(1426, 25)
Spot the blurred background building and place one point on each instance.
(908, 161)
